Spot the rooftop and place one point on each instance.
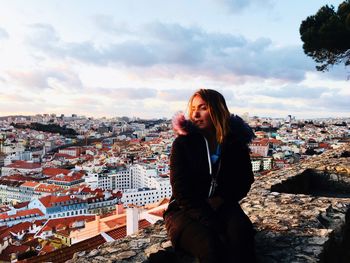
(24, 165)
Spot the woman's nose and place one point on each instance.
(196, 114)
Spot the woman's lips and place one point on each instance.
(198, 122)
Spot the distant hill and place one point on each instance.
(53, 128)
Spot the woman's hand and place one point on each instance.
(215, 202)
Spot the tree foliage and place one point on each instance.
(326, 36)
(53, 128)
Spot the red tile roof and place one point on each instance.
(21, 205)
(46, 249)
(30, 184)
(261, 142)
(120, 232)
(50, 200)
(55, 171)
(65, 222)
(49, 188)
(158, 213)
(24, 226)
(67, 178)
(64, 254)
(24, 165)
(19, 213)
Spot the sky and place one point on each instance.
(146, 58)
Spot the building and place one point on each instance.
(60, 206)
(14, 217)
(72, 151)
(22, 167)
(146, 186)
(260, 147)
(103, 202)
(67, 180)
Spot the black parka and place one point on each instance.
(190, 177)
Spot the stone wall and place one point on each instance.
(301, 214)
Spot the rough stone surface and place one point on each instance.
(290, 227)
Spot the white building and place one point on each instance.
(140, 183)
(146, 186)
(256, 165)
(267, 163)
(114, 179)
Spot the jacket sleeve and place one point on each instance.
(183, 186)
(242, 175)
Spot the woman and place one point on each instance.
(210, 172)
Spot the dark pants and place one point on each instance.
(230, 239)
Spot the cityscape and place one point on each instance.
(65, 179)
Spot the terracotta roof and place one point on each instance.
(262, 142)
(23, 178)
(120, 232)
(48, 188)
(55, 171)
(158, 212)
(10, 183)
(21, 205)
(46, 249)
(50, 200)
(66, 253)
(67, 178)
(24, 165)
(19, 213)
(275, 141)
(30, 184)
(24, 226)
(113, 223)
(64, 222)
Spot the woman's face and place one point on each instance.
(200, 114)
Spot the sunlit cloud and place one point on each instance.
(45, 78)
(192, 48)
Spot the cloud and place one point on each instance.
(106, 23)
(188, 50)
(174, 94)
(292, 91)
(43, 36)
(3, 34)
(237, 6)
(334, 101)
(122, 94)
(45, 79)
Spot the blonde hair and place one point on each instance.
(218, 111)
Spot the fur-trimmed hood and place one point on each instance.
(240, 130)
